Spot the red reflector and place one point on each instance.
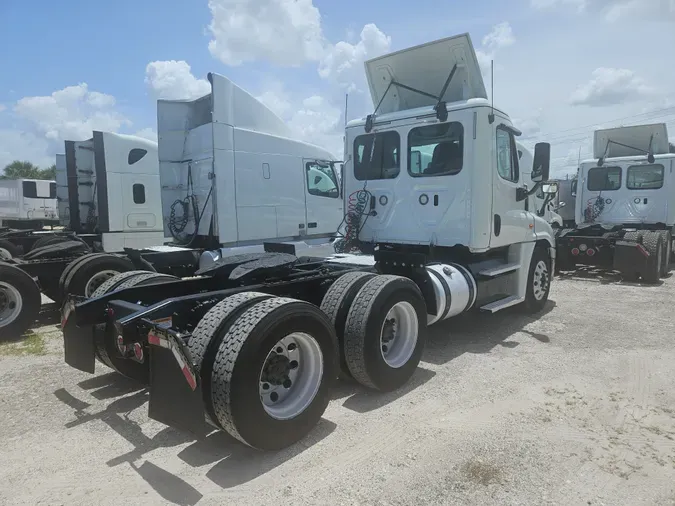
(642, 250)
(153, 339)
(575, 251)
(189, 377)
(138, 352)
(590, 252)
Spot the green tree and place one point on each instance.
(26, 170)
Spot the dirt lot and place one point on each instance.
(575, 407)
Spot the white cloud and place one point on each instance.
(610, 86)
(276, 99)
(174, 80)
(343, 62)
(18, 145)
(282, 32)
(147, 133)
(318, 122)
(70, 113)
(313, 119)
(500, 36)
(616, 10)
(2, 107)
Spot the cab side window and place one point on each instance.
(321, 180)
(507, 157)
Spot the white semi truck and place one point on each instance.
(625, 205)
(253, 343)
(226, 176)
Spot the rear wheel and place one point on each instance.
(89, 274)
(19, 301)
(385, 332)
(667, 252)
(208, 335)
(336, 304)
(8, 250)
(109, 349)
(72, 265)
(653, 243)
(273, 372)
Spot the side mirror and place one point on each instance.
(550, 188)
(416, 162)
(542, 162)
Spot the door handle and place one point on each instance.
(312, 224)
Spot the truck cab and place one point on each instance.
(625, 205)
(112, 189)
(234, 175)
(440, 175)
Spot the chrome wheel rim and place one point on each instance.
(398, 336)
(11, 304)
(5, 254)
(97, 280)
(540, 280)
(291, 376)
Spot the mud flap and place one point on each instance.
(175, 396)
(78, 342)
(630, 257)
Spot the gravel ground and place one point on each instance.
(574, 407)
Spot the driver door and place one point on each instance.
(511, 223)
(324, 209)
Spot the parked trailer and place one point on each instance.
(625, 205)
(281, 189)
(27, 203)
(252, 345)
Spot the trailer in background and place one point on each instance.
(28, 203)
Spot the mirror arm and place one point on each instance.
(534, 188)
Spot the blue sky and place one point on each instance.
(563, 67)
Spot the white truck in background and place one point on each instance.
(227, 175)
(27, 203)
(625, 205)
(233, 176)
(544, 203)
(62, 190)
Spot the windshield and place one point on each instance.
(645, 177)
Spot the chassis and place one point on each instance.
(148, 333)
(635, 253)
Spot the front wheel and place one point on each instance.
(538, 281)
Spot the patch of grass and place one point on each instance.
(482, 473)
(33, 344)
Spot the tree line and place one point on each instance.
(26, 170)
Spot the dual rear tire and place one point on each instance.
(266, 364)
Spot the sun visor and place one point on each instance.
(426, 68)
(637, 137)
